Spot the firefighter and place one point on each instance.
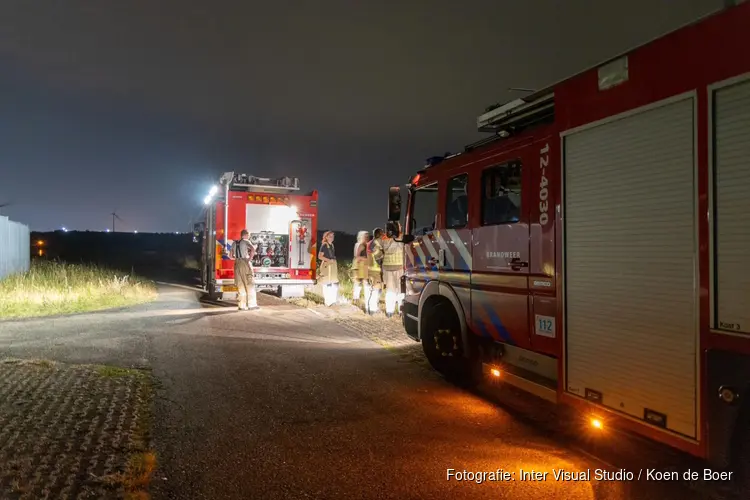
(329, 276)
(374, 270)
(359, 266)
(393, 267)
(244, 251)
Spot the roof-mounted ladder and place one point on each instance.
(517, 114)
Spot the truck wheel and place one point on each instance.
(443, 346)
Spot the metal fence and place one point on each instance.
(15, 249)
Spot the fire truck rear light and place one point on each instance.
(415, 180)
(597, 423)
(495, 372)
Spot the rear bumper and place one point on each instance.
(268, 282)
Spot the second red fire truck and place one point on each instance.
(282, 222)
(595, 250)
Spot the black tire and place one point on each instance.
(443, 347)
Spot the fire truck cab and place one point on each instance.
(282, 224)
(592, 250)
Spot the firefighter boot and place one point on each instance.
(241, 300)
(390, 302)
(329, 294)
(374, 301)
(367, 289)
(400, 302)
(252, 299)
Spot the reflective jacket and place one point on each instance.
(393, 258)
(374, 255)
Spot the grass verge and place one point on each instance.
(50, 288)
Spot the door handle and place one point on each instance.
(517, 264)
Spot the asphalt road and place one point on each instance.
(286, 403)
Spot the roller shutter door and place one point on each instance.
(630, 273)
(732, 230)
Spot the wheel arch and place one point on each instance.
(436, 290)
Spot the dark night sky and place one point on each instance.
(138, 106)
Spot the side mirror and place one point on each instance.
(394, 204)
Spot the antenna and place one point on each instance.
(519, 89)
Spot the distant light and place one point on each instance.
(495, 372)
(40, 242)
(65, 229)
(107, 230)
(206, 200)
(136, 232)
(214, 190)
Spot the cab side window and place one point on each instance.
(456, 205)
(501, 194)
(424, 209)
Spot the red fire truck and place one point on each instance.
(592, 250)
(282, 223)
